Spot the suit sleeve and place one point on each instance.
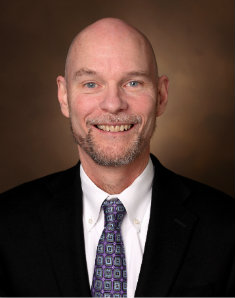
(231, 279)
(2, 280)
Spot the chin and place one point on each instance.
(114, 158)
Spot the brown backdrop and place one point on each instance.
(193, 41)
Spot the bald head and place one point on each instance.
(111, 33)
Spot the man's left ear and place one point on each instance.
(162, 90)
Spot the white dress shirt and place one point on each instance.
(137, 200)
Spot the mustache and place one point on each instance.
(120, 118)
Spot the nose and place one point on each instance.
(113, 101)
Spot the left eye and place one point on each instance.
(133, 84)
(90, 85)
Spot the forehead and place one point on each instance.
(112, 54)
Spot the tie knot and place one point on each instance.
(114, 212)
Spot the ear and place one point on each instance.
(62, 95)
(163, 83)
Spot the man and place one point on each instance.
(119, 223)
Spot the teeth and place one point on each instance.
(115, 128)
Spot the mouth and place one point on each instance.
(114, 128)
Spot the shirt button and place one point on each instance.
(90, 220)
(136, 221)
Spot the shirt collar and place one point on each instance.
(135, 198)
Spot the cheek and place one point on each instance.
(146, 107)
(148, 110)
(81, 107)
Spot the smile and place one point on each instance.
(114, 128)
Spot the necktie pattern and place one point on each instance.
(110, 277)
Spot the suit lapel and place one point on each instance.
(62, 223)
(169, 232)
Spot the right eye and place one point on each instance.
(90, 85)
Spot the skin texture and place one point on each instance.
(111, 79)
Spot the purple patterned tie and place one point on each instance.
(110, 278)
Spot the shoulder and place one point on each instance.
(199, 198)
(24, 207)
(39, 189)
(208, 201)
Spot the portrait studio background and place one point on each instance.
(193, 41)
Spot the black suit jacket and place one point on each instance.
(189, 250)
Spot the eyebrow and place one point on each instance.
(84, 71)
(89, 72)
(139, 73)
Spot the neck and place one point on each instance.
(113, 180)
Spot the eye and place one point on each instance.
(90, 85)
(133, 84)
